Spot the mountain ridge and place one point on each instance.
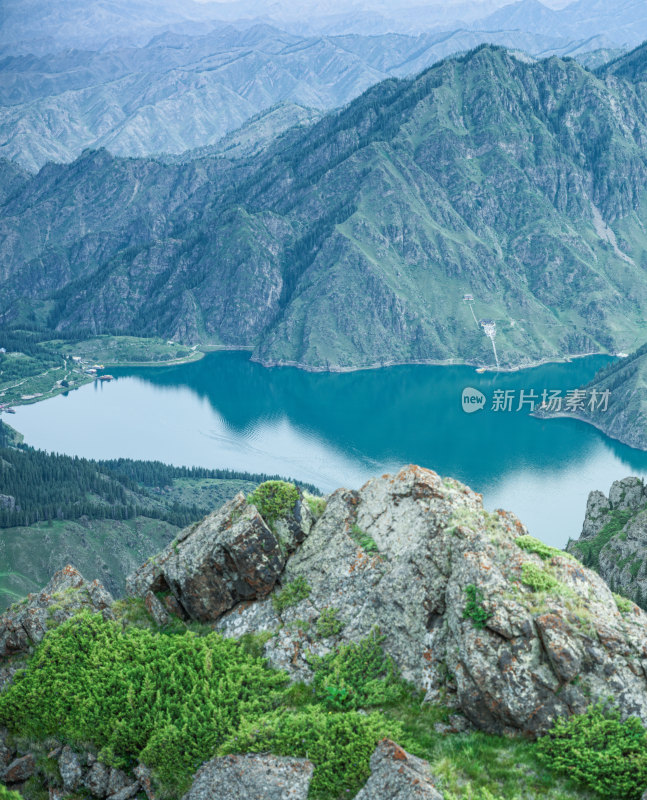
(400, 204)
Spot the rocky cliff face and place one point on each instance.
(614, 538)
(512, 633)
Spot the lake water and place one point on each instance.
(339, 429)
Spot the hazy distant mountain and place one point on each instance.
(351, 242)
(182, 92)
(623, 22)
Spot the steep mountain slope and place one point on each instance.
(352, 242)
(613, 541)
(615, 401)
(181, 92)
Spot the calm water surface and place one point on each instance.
(338, 429)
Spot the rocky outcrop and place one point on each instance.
(25, 624)
(419, 558)
(8, 502)
(614, 538)
(397, 775)
(231, 556)
(78, 772)
(262, 777)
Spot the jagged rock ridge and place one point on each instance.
(613, 540)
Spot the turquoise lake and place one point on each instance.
(339, 429)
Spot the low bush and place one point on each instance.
(316, 504)
(475, 608)
(537, 578)
(292, 594)
(167, 700)
(365, 541)
(357, 675)
(274, 500)
(623, 604)
(543, 550)
(329, 624)
(338, 744)
(9, 794)
(599, 749)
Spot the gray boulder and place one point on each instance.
(157, 611)
(20, 769)
(397, 775)
(261, 777)
(69, 766)
(403, 555)
(230, 557)
(97, 779)
(25, 624)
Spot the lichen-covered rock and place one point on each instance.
(25, 624)
(397, 775)
(629, 493)
(126, 793)
(597, 509)
(229, 557)
(20, 769)
(97, 779)
(145, 777)
(262, 777)
(69, 766)
(157, 611)
(404, 553)
(6, 752)
(118, 781)
(621, 559)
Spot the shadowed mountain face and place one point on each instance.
(352, 242)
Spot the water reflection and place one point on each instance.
(338, 429)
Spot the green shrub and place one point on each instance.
(316, 504)
(365, 541)
(537, 578)
(292, 594)
(597, 748)
(474, 608)
(9, 794)
(544, 551)
(169, 700)
(623, 604)
(338, 744)
(589, 550)
(254, 643)
(329, 624)
(274, 500)
(357, 675)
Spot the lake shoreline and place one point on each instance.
(450, 362)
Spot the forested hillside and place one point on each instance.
(103, 516)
